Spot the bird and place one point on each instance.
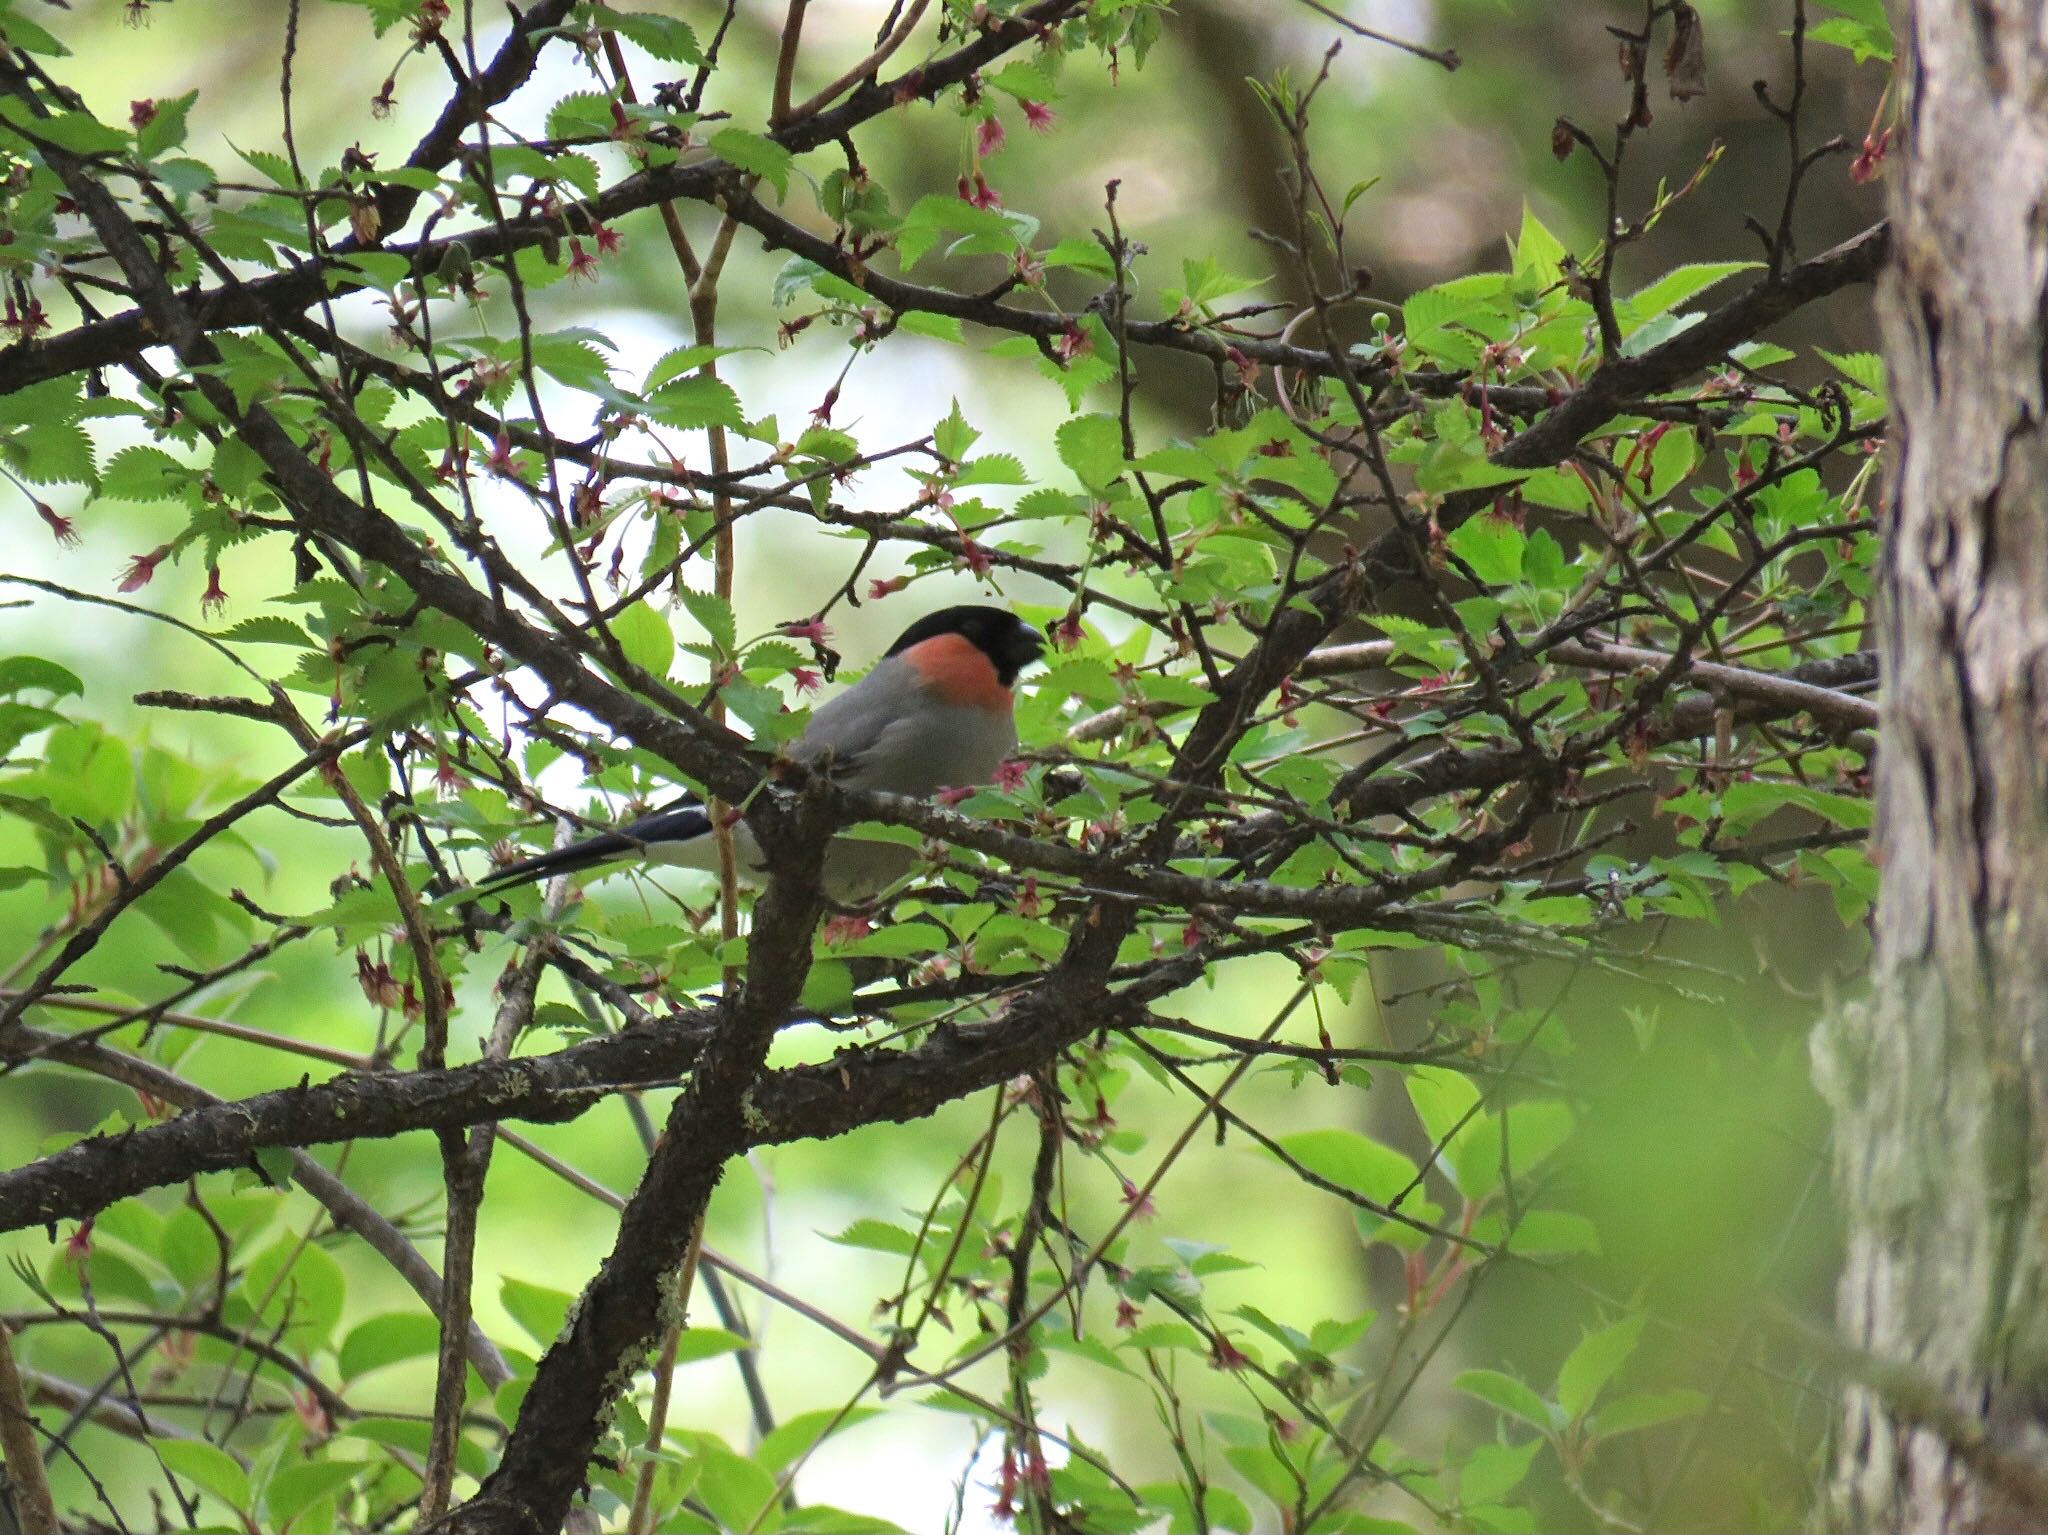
(935, 712)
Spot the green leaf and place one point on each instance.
(733, 1487)
(663, 36)
(1645, 1410)
(714, 615)
(750, 152)
(536, 1308)
(268, 629)
(953, 436)
(1539, 254)
(1588, 1367)
(1351, 1161)
(1508, 1394)
(1491, 545)
(143, 473)
(292, 1490)
(877, 1236)
(1680, 284)
(388, 1339)
(1494, 1470)
(1093, 447)
(689, 404)
(79, 132)
(26, 674)
(645, 637)
(801, 1434)
(208, 1467)
(297, 1281)
(694, 1343)
(684, 359)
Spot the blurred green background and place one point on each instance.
(1701, 1152)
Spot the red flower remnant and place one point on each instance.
(1139, 1201)
(1227, 1355)
(1010, 774)
(1037, 115)
(141, 113)
(988, 135)
(977, 558)
(214, 600)
(78, 1246)
(978, 193)
(141, 567)
(1066, 634)
(952, 794)
(1072, 342)
(581, 263)
(608, 239)
(805, 679)
(845, 928)
(1869, 161)
(61, 528)
(878, 588)
(1028, 903)
(812, 629)
(1126, 1314)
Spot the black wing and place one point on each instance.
(684, 821)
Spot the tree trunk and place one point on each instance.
(1939, 1083)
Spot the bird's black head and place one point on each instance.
(1008, 642)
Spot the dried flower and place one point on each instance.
(1037, 115)
(1869, 162)
(846, 928)
(142, 567)
(812, 629)
(61, 528)
(988, 135)
(214, 600)
(1685, 61)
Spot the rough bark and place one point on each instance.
(1938, 1082)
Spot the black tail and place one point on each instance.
(683, 821)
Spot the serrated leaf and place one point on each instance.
(876, 1236)
(268, 629)
(645, 637)
(751, 152)
(1590, 1365)
(143, 473)
(1680, 284)
(689, 404)
(1494, 1470)
(1646, 1410)
(1093, 447)
(1491, 545)
(714, 616)
(1508, 1394)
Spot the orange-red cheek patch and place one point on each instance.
(955, 668)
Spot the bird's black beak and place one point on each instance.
(1024, 646)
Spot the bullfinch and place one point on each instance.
(935, 712)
